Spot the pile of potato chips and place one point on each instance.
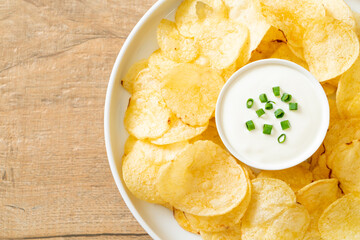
(174, 156)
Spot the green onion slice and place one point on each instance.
(282, 138)
(260, 112)
(286, 97)
(250, 125)
(268, 106)
(279, 113)
(293, 106)
(263, 98)
(249, 103)
(276, 91)
(267, 129)
(285, 124)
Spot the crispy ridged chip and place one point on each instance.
(316, 197)
(344, 161)
(297, 177)
(330, 48)
(178, 132)
(348, 93)
(160, 65)
(147, 115)
(203, 180)
(141, 168)
(183, 221)
(341, 220)
(221, 222)
(175, 46)
(189, 95)
(129, 79)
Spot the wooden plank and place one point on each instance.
(56, 58)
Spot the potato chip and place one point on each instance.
(284, 52)
(189, 18)
(345, 165)
(297, 51)
(348, 93)
(188, 96)
(178, 132)
(316, 197)
(340, 11)
(147, 115)
(183, 221)
(328, 88)
(321, 170)
(229, 71)
(146, 81)
(221, 222)
(272, 40)
(211, 134)
(159, 65)
(341, 220)
(129, 144)
(334, 113)
(203, 180)
(233, 233)
(175, 46)
(356, 16)
(315, 157)
(292, 16)
(222, 42)
(269, 197)
(128, 81)
(247, 12)
(141, 167)
(297, 177)
(330, 48)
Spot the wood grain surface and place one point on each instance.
(55, 61)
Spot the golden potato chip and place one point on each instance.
(330, 48)
(334, 113)
(247, 12)
(341, 220)
(141, 167)
(329, 89)
(189, 15)
(356, 16)
(159, 65)
(233, 233)
(345, 165)
(203, 180)
(188, 96)
(316, 197)
(269, 197)
(222, 42)
(175, 46)
(340, 11)
(223, 222)
(321, 171)
(146, 81)
(315, 157)
(284, 52)
(183, 221)
(211, 134)
(292, 16)
(147, 115)
(229, 71)
(178, 132)
(298, 51)
(297, 177)
(272, 40)
(129, 144)
(348, 93)
(128, 81)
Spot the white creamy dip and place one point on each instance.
(308, 124)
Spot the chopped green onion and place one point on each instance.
(249, 103)
(250, 125)
(286, 97)
(279, 113)
(267, 129)
(268, 106)
(282, 138)
(260, 112)
(263, 98)
(285, 124)
(276, 91)
(293, 106)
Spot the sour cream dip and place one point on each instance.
(308, 124)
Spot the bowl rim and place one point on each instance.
(109, 95)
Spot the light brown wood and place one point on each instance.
(55, 62)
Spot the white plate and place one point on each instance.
(156, 220)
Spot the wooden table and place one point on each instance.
(56, 59)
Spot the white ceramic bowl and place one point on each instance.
(156, 220)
